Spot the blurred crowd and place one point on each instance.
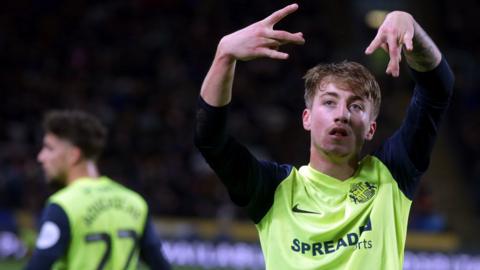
(139, 65)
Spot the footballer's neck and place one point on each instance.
(337, 167)
(86, 168)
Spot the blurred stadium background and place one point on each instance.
(139, 64)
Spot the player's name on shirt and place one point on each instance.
(97, 207)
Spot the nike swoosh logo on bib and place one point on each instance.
(298, 210)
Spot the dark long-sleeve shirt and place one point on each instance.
(251, 183)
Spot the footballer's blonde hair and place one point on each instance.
(346, 74)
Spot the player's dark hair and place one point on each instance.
(80, 128)
(351, 75)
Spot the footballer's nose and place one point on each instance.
(40, 156)
(342, 115)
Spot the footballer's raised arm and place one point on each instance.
(250, 182)
(408, 152)
(400, 31)
(254, 41)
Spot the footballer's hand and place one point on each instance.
(396, 31)
(260, 39)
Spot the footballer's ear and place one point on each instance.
(307, 124)
(74, 155)
(371, 131)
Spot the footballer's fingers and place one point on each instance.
(285, 37)
(377, 42)
(280, 14)
(408, 40)
(271, 53)
(268, 47)
(271, 43)
(395, 54)
(384, 47)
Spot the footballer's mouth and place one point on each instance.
(338, 132)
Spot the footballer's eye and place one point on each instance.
(328, 102)
(356, 107)
(47, 147)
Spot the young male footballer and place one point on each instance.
(340, 211)
(93, 223)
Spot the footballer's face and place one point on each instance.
(55, 157)
(339, 122)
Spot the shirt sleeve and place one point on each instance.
(250, 183)
(151, 248)
(407, 153)
(53, 239)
